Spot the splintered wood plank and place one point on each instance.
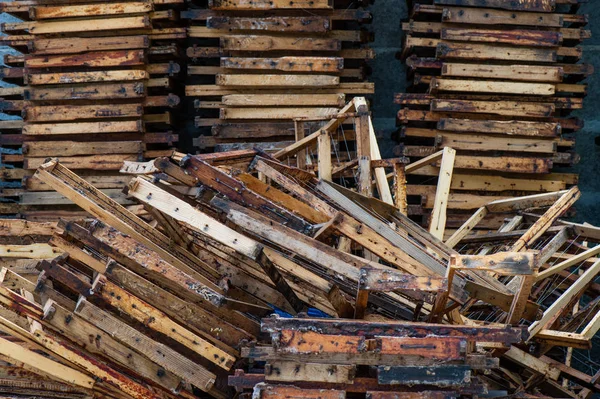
(477, 86)
(267, 391)
(287, 64)
(521, 37)
(518, 128)
(481, 16)
(520, 5)
(85, 77)
(510, 108)
(476, 51)
(278, 113)
(313, 24)
(81, 45)
(288, 371)
(89, 60)
(50, 12)
(277, 80)
(73, 148)
(83, 128)
(159, 353)
(268, 4)
(53, 113)
(276, 43)
(531, 73)
(266, 100)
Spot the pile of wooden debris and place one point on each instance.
(176, 300)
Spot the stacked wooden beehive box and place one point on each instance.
(93, 87)
(256, 66)
(497, 81)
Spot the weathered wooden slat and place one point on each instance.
(54, 113)
(89, 25)
(92, 59)
(513, 108)
(216, 90)
(73, 148)
(85, 77)
(80, 45)
(506, 334)
(92, 162)
(518, 128)
(287, 371)
(92, 91)
(54, 198)
(82, 128)
(288, 64)
(274, 43)
(441, 376)
(485, 52)
(49, 12)
(279, 391)
(315, 24)
(477, 86)
(516, 37)
(278, 80)
(481, 16)
(278, 113)
(266, 100)
(268, 4)
(521, 5)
